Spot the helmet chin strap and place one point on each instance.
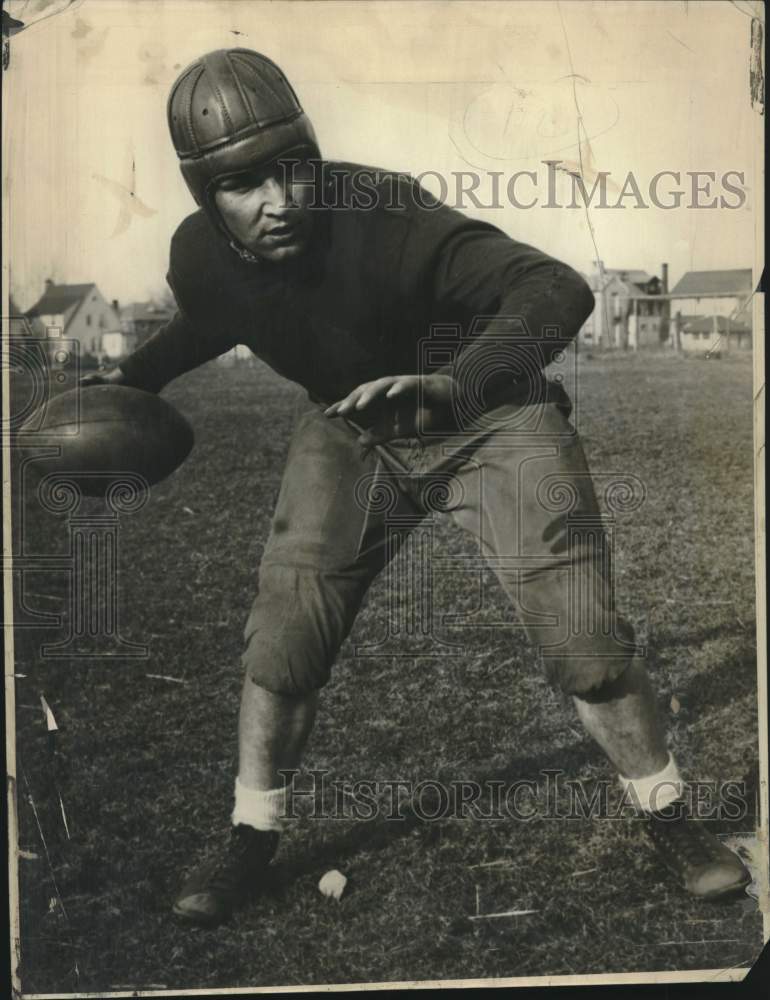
(245, 254)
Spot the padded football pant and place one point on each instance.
(517, 481)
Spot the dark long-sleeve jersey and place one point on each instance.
(393, 283)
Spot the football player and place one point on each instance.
(334, 274)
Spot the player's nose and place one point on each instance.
(277, 202)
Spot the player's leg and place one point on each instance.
(530, 501)
(324, 549)
(622, 716)
(272, 732)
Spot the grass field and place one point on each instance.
(145, 765)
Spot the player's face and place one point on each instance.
(267, 209)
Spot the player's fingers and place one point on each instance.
(372, 391)
(343, 405)
(400, 386)
(364, 395)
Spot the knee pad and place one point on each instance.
(297, 624)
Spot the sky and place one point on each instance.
(92, 186)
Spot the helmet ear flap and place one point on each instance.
(192, 178)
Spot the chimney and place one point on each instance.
(664, 278)
(115, 305)
(48, 283)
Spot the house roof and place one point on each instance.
(634, 276)
(736, 282)
(21, 323)
(145, 312)
(57, 299)
(705, 324)
(599, 280)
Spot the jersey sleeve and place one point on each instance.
(198, 332)
(520, 305)
(511, 289)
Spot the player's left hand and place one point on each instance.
(397, 406)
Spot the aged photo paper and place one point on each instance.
(383, 490)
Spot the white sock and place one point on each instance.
(657, 790)
(262, 810)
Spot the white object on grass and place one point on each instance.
(333, 884)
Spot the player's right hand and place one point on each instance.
(112, 377)
(397, 406)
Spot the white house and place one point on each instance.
(712, 311)
(631, 311)
(712, 335)
(81, 312)
(714, 293)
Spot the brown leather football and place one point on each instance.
(105, 430)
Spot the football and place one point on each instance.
(105, 430)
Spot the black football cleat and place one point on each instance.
(211, 893)
(704, 867)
